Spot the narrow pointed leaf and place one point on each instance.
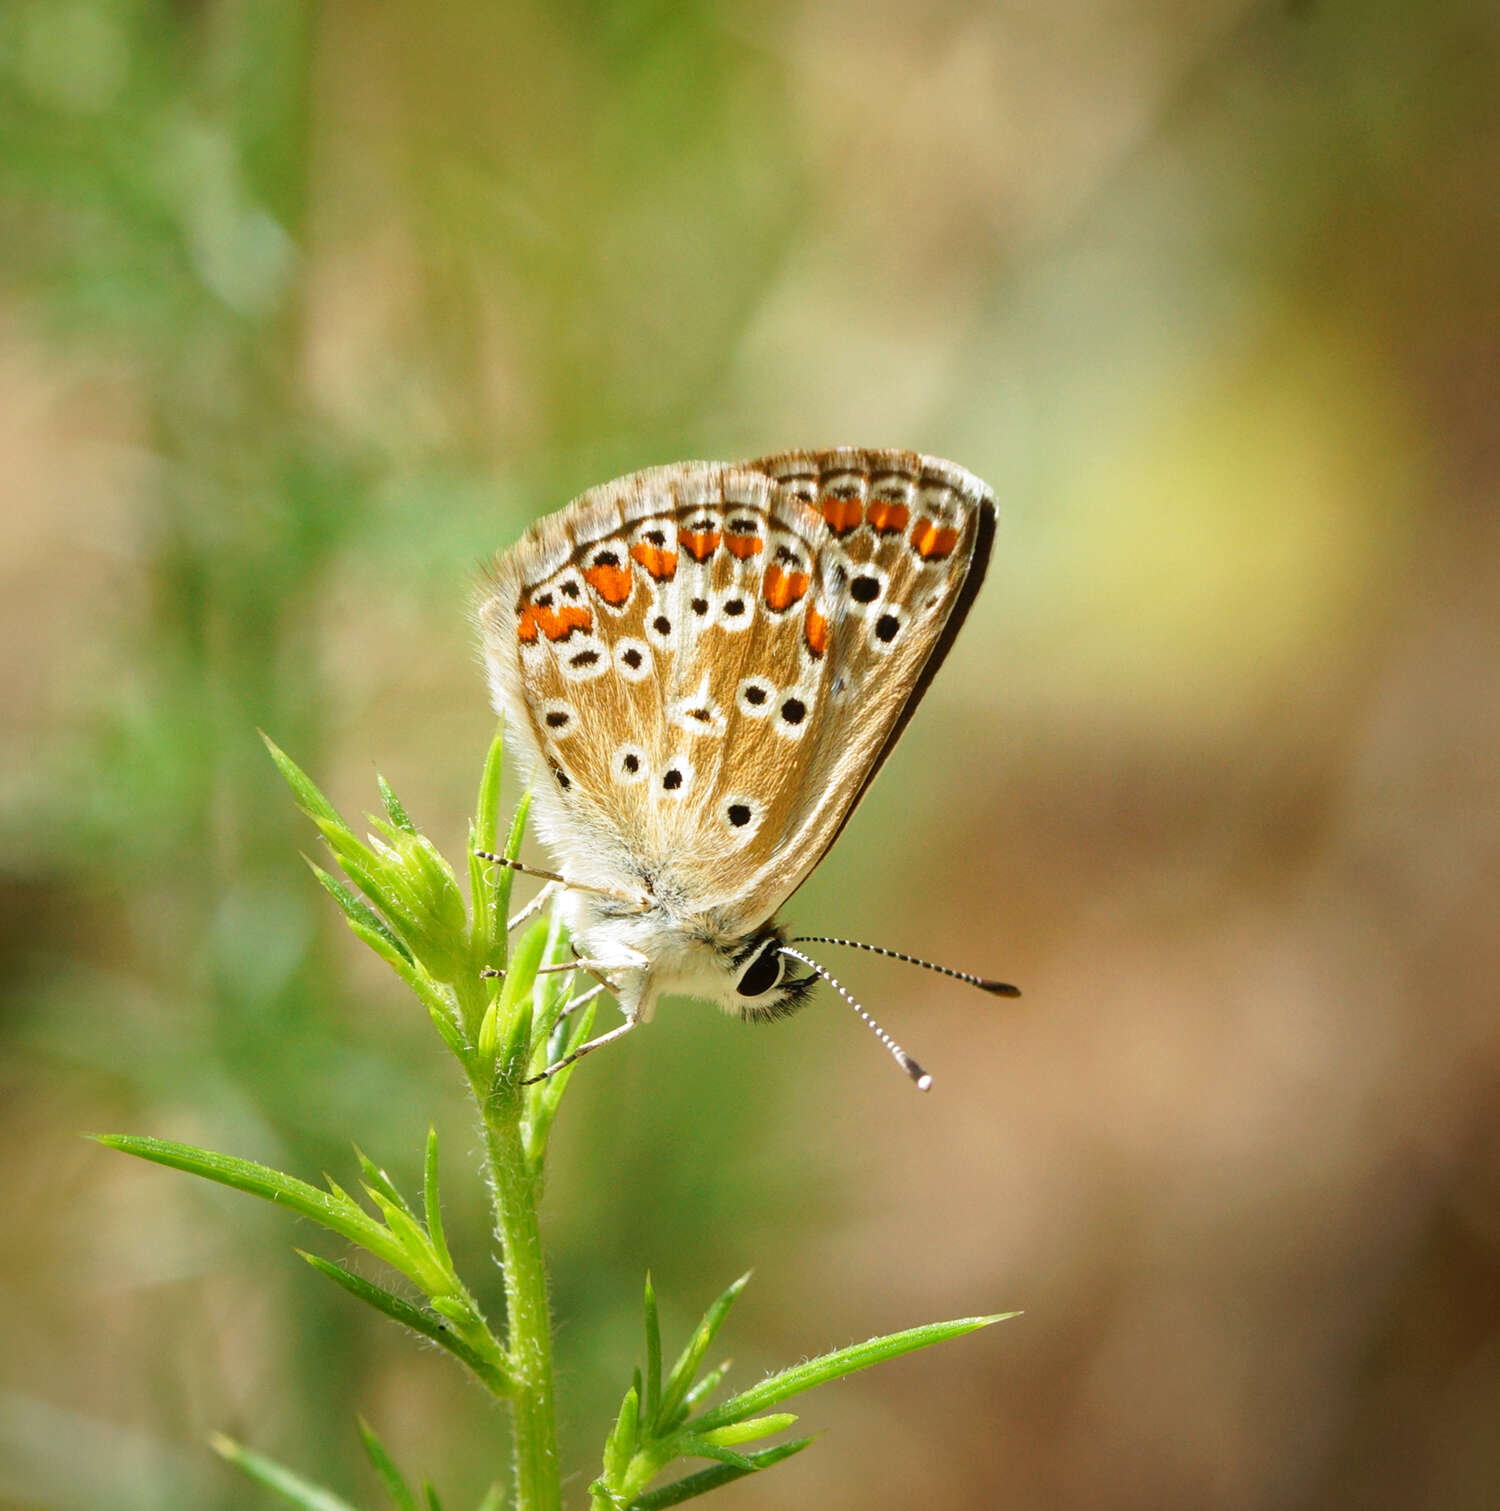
(430, 1497)
(691, 1357)
(550, 991)
(711, 1479)
(623, 1437)
(398, 1309)
(361, 916)
(382, 1182)
(392, 805)
(452, 1034)
(512, 1008)
(546, 1095)
(706, 1448)
(506, 878)
(494, 1499)
(290, 1487)
(705, 1387)
(338, 1214)
(372, 878)
(386, 1471)
(418, 1260)
(653, 1355)
(431, 1204)
(308, 797)
(488, 937)
(395, 955)
(834, 1366)
(487, 804)
(751, 1428)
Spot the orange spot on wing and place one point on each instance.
(842, 514)
(554, 623)
(932, 541)
(782, 589)
(886, 517)
(815, 632)
(741, 546)
(611, 583)
(699, 544)
(660, 563)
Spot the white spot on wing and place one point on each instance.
(756, 697)
(633, 659)
(628, 764)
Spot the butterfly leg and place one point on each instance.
(572, 1007)
(533, 907)
(583, 1049)
(593, 967)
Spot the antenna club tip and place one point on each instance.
(924, 1082)
(1000, 988)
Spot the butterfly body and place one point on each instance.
(703, 666)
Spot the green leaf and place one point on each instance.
(705, 1387)
(430, 1497)
(337, 1213)
(386, 1471)
(506, 878)
(377, 878)
(670, 1411)
(400, 1310)
(380, 1181)
(274, 1476)
(653, 1354)
(494, 1499)
(483, 951)
(396, 955)
(487, 804)
(420, 1263)
(623, 1437)
(706, 1448)
(510, 1013)
(546, 1095)
(751, 1428)
(392, 805)
(442, 1020)
(356, 910)
(711, 1479)
(309, 799)
(836, 1365)
(550, 992)
(431, 1205)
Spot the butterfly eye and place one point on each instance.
(764, 971)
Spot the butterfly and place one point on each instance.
(704, 666)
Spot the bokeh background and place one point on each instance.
(306, 309)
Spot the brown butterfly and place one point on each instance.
(704, 666)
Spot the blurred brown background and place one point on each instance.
(304, 310)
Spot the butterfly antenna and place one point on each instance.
(994, 988)
(904, 1060)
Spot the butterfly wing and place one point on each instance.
(709, 663)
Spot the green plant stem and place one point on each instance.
(528, 1316)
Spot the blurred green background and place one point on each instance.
(305, 310)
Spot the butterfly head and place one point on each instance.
(749, 975)
(763, 978)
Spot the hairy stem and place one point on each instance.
(529, 1320)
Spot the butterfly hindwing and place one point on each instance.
(707, 663)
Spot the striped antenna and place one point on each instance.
(904, 1060)
(994, 988)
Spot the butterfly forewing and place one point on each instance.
(707, 663)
